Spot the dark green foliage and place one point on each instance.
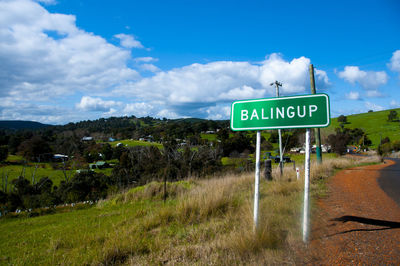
(345, 136)
(18, 125)
(274, 138)
(139, 165)
(84, 186)
(239, 143)
(342, 119)
(3, 153)
(339, 141)
(223, 134)
(32, 148)
(385, 140)
(384, 149)
(396, 145)
(107, 151)
(265, 145)
(392, 116)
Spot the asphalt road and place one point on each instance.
(389, 180)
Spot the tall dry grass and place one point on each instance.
(212, 221)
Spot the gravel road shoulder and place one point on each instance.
(357, 223)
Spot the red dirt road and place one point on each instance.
(357, 223)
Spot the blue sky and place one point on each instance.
(71, 60)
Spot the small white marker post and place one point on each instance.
(306, 187)
(257, 181)
(298, 173)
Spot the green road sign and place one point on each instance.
(305, 111)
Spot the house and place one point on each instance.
(99, 165)
(60, 157)
(111, 139)
(87, 138)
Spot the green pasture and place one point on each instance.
(375, 124)
(37, 171)
(132, 143)
(29, 171)
(209, 137)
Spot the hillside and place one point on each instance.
(375, 124)
(18, 125)
(203, 221)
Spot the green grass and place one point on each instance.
(43, 170)
(209, 137)
(132, 143)
(375, 124)
(202, 222)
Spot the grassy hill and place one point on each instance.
(202, 222)
(375, 124)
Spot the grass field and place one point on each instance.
(132, 143)
(202, 222)
(29, 170)
(374, 123)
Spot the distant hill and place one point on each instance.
(375, 124)
(19, 125)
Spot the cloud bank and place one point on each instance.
(369, 80)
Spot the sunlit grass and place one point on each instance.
(206, 221)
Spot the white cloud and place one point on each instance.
(192, 89)
(373, 106)
(43, 52)
(218, 112)
(47, 2)
(146, 59)
(128, 41)
(394, 104)
(138, 109)
(367, 79)
(169, 114)
(48, 64)
(150, 67)
(394, 64)
(353, 95)
(245, 92)
(374, 94)
(96, 104)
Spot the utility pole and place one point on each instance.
(277, 85)
(317, 132)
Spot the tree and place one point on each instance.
(342, 119)
(3, 153)
(274, 138)
(32, 148)
(392, 116)
(339, 141)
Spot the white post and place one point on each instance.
(280, 151)
(257, 180)
(298, 173)
(306, 187)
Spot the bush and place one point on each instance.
(3, 153)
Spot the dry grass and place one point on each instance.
(203, 222)
(395, 155)
(217, 216)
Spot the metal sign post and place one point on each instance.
(306, 187)
(257, 181)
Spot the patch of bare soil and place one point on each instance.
(356, 224)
